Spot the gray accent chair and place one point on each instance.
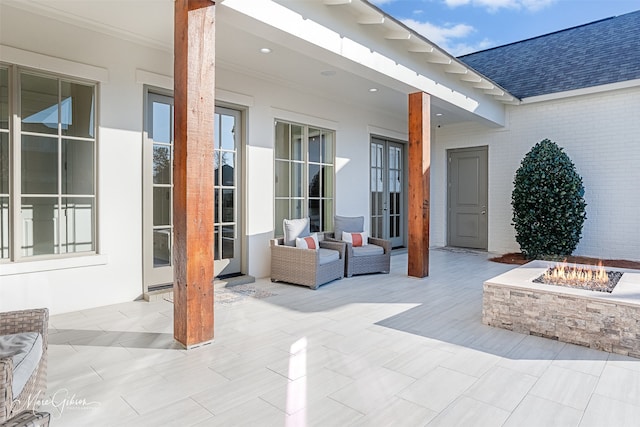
(12, 406)
(372, 258)
(307, 267)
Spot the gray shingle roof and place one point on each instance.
(605, 51)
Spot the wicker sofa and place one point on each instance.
(305, 266)
(16, 322)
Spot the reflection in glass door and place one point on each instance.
(387, 191)
(158, 192)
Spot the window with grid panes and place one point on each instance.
(48, 198)
(304, 175)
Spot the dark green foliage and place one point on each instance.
(548, 203)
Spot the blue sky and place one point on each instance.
(464, 26)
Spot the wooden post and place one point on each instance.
(193, 200)
(419, 181)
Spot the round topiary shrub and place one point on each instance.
(548, 203)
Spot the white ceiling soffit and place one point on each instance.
(240, 39)
(368, 14)
(150, 22)
(97, 14)
(372, 50)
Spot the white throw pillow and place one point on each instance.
(308, 242)
(295, 228)
(356, 239)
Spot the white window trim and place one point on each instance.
(31, 266)
(294, 117)
(50, 64)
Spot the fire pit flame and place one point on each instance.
(583, 277)
(562, 274)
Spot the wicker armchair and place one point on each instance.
(14, 322)
(375, 257)
(377, 263)
(303, 266)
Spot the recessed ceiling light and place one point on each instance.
(438, 114)
(328, 73)
(373, 89)
(265, 50)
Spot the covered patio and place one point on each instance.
(369, 350)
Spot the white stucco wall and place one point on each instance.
(600, 133)
(122, 69)
(115, 275)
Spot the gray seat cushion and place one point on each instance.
(368, 250)
(328, 255)
(351, 224)
(25, 349)
(295, 228)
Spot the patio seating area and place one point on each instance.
(374, 350)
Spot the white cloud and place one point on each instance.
(448, 37)
(536, 4)
(438, 34)
(456, 3)
(464, 48)
(494, 5)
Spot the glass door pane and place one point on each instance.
(161, 247)
(395, 191)
(377, 188)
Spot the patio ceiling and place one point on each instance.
(294, 63)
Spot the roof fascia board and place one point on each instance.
(290, 22)
(580, 92)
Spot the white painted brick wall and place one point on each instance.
(601, 135)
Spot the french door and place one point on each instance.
(157, 196)
(158, 192)
(227, 225)
(387, 191)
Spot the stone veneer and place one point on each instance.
(609, 322)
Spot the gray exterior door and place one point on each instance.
(467, 198)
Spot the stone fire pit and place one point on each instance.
(599, 320)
